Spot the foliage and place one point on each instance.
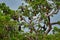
(37, 12)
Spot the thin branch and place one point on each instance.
(52, 12)
(55, 23)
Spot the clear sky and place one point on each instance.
(56, 18)
(13, 4)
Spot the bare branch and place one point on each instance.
(55, 23)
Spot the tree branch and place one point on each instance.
(55, 23)
(49, 29)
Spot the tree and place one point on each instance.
(39, 11)
(35, 16)
(8, 27)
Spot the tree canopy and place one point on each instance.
(35, 16)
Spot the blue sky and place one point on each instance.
(56, 18)
(13, 4)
